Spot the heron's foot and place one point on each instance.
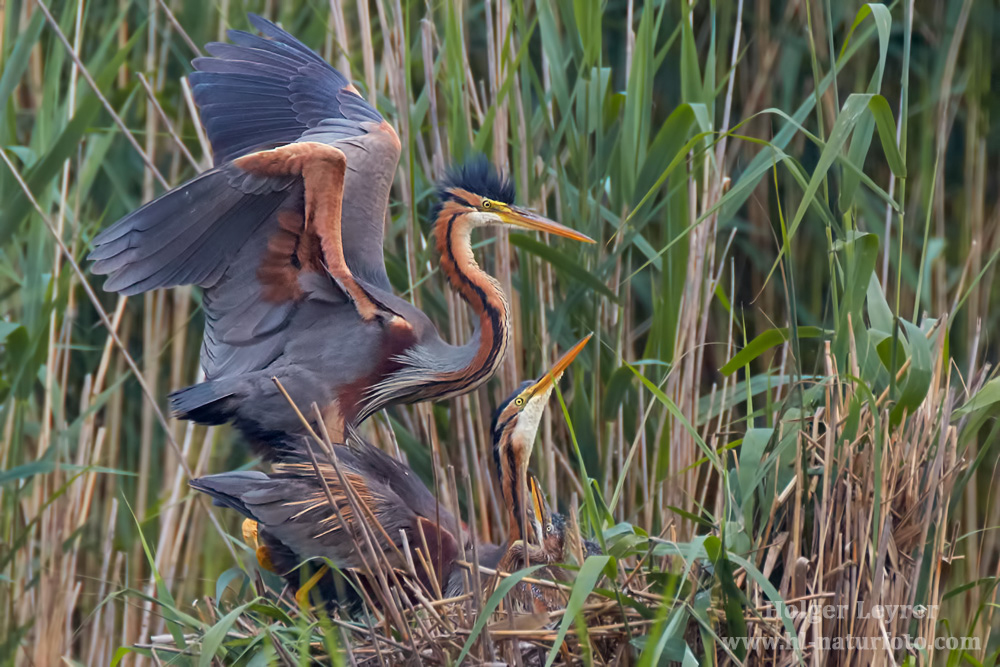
(264, 559)
(302, 595)
(251, 536)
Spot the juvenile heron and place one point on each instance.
(536, 535)
(285, 233)
(292, 519)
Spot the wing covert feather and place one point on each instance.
(261, 92)
(258, 92)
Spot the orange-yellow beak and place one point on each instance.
(522, 217)
(539, 506)
(549, 380)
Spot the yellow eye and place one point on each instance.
(487, 203)
(519, 401)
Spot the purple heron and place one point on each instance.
(284, 234)
(536, 535)
(290, 518)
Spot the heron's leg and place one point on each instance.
(333, 420)
(322, 168)
(302, 595)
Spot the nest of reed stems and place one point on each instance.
(854, 540)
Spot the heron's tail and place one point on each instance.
(227, 488)
(208, 403)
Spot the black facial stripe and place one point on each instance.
(498, 432)
(515, 495)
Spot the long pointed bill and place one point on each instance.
(539, 506)
(549, 379)
(520, 217)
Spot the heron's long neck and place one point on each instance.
(478, 289)
(510, 485)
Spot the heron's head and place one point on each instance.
(514, 427)
(482, 196)
(556, 532)
(555, 535)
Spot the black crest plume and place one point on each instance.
(478, 175)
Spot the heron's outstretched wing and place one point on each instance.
(257, 93)
(261, 92)
(241, 236)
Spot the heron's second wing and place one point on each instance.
(240, 237)
(261, 92)
(189, 235)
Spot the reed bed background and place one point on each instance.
(790, 400)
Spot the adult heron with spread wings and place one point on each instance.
(284, 234)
